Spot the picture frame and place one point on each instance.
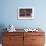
(25, 13)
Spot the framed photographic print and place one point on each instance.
(25, 13)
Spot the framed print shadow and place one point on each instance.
(25, 13)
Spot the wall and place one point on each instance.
(9, 13)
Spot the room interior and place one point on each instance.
(9, 15)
